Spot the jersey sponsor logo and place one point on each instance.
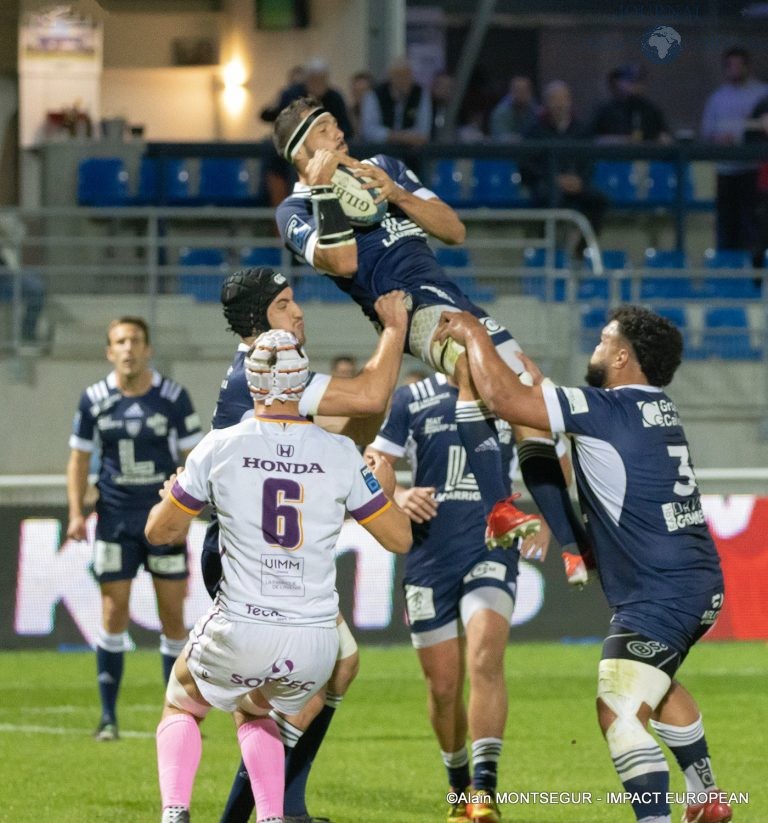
(419, 603)
(107, 423)
(134, 410)
(491, 444)
(679, 515)
(711, 614)
(282, 576)
(397, 228)
(489, 569)
(258, 611)
(284, 450)
(435, 425)
(577, 400)
(255, 682)
(646, 648)
(297, 231)
(192, 422)
(658, 413)
(419, 405)
(280, 466)
(159, 424)
(370, 481)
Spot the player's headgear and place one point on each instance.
(246, 295)
(276, 367)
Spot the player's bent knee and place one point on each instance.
(176, 696)
(624, 686)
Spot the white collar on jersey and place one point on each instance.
(157, 379)
(639, 387)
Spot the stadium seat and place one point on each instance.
(162, 181)
(449, 182)
(598, 288)
(662, 183)
(496, 183)
(102, 181)
(204, 288)
(449, 258)
(617, 180)
(318, 287)
(261, 256)
(224, 181)
(726, 334)
(745, 288)
(538, 286)
(654, 288)
(592, 322)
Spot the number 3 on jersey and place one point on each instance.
(281, 522)
(687, 483)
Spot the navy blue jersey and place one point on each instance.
(140, 438)
(235, 398)
(421, 425)
(393, 254)
(638, 492)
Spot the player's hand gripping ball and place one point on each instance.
(356, 202)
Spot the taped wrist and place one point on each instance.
(333, 227)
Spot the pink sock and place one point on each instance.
(264, 758)
(179, 746)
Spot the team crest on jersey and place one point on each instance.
(297, 231)
(370, 480)
(133, 427)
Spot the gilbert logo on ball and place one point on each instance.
(356, 202)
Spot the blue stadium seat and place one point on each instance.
(102, 181)
(204, 288)
(449, 183)
(617, 180)
(598, 288)
(592, 322)
(451, 257)
(726, 334)
(261, 256)
(318, 287)
(537, 286)
(496, 183)
(745, 288)
(654, 288)
(162, 181)
(224, 181)
(662, 183)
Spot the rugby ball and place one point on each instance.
(357, 202)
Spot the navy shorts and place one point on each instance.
(675, 624)
(433, 602)
(120, 549)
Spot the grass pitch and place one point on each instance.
(380, 762)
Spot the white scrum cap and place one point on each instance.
(276, 367)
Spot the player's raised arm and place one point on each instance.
(392, 526)
(496, 383)
(369, 391)
(435, 216)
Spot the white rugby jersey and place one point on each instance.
(281, 486)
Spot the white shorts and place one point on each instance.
(286, 664)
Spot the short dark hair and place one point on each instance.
(656, 341)
(132, 320)
(289, 118)
(737, 51)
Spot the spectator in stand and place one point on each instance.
(723, 122)
(515, 113)
(442, 93)
(360, 84)
(628, 116)
(757, 132)
(572, 189)
(397, 111)
(311, 79)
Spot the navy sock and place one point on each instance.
(544, 479)
(299, 759)
(240, 802)
(476, 428)
(457, 766)
(109, 669)
(689, 746)
(650, 790)
(485, 760)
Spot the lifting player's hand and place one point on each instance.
(418, 503)
(535, 546)
(383, 472)
(168, 485)
(391, 309)
(324, 162)
(457, 325)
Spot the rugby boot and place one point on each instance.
(457, 813)
(175, 814)
(484, 811)
(713, 810)
(506, 523)
(106, 731)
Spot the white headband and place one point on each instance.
(296, 140)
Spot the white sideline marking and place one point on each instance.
(20, 728)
